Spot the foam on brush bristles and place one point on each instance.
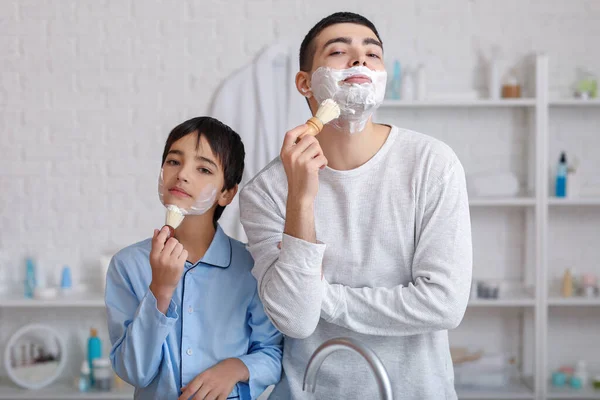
(328, 111)
(174, 216)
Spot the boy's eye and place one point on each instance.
(172, 162)
(373, 55)
(335, 53)
(205, 171)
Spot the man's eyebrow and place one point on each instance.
(370, 40)
(345, 40)
(178, 152)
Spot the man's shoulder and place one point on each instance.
(271, 182)
(425, 147)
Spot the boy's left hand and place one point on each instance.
(216, 383)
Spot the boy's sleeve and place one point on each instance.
(264, 355)
(137, 328)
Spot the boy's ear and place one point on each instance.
(226, 196)
(303, 84)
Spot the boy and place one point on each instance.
(184, 315)
(381, 212)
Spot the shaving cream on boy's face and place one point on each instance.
(196, 205)
(357, 90)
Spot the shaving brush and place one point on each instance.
(173, 218)
(327, 112)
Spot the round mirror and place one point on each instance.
(34, 356)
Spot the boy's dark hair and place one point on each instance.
(224, 142)
(307, 48)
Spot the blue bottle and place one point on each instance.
(394, 92)
(561, 176)
(94, 351)
(30, 280)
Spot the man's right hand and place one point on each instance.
(167, 260)
(302, 162)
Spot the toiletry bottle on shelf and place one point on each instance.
(561, 176)
(94, 352)
(421, 82)
(395, 83)
(567, 283)
(30, 280)
(407, 86)
(84, 377)
(494, 86)
(581, 373)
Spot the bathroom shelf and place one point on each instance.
(575, 103)
(524, 102)
(516, 390)
(502, 202)
(578, 201)
(79, 300)
(514, 302)
(574, 301)
(60, 391)
(569, 393)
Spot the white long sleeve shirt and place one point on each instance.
(395, 247)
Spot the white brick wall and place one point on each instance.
(89, 91)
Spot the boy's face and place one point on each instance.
(343, 46)
(189, 173)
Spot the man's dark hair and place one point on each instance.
(307, 48)
(225, 143)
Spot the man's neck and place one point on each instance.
(196, 233)
(345, 151)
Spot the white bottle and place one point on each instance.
(407, 87)
(581, 373)
(421, 83)
(494, 85)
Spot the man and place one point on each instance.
(374, 227)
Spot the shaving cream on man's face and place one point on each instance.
(357, 100)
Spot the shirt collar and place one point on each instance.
(219, 251)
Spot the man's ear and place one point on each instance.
(226, 196)
(303, 84)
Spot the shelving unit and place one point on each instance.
(534, 310)
(94, 300)
(60, 391)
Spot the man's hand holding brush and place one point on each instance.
(167, 259)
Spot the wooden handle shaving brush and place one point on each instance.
(327, 112)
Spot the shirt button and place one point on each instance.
(191, 309)
(189, 352)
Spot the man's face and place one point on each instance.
(343, 46)
(189, 173)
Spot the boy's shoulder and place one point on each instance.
(240, 256)
(134, 252)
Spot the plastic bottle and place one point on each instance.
(30, 281)
(494, 74)
(561, 176)
(408, 87)
(396, 82)
(581, 373)
(567, 283)
(94, 351)
(421, 82)
(84, 377)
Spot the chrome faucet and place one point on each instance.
(332, 345)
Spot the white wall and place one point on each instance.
(90, 89)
